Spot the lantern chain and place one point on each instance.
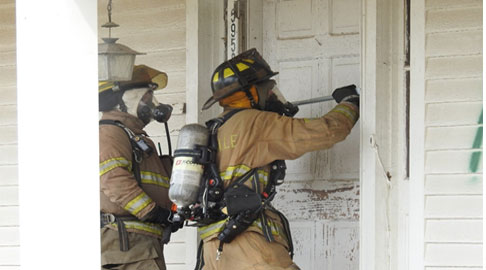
(109, 7)
(109, 10)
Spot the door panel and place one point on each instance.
(296, 19)
(344, 157)
(344, 17)
(315, 46)
(299, 81)
(304, 233)
(341, 249)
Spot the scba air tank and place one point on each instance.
(186, 173)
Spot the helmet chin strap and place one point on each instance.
(263, 89)
(244, 82)
(250, 97)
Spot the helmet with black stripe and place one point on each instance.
(239, 74)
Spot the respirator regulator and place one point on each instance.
(150, 108)
(276, 102)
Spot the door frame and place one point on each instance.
(367, 176)
(402, 246)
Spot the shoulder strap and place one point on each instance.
(135, 158)
(111, 122)
(215, 123)
(213, 126)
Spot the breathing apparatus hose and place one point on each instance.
(167, 134)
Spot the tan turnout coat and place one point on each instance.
(253, 139)
(120, 193)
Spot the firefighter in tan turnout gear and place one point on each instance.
(239, 227)
(135, 209)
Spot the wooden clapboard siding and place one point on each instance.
(452, 90)
(453, 67)
(451, 161)
(451, 3)
(9, 236)
(453, 127)
(10, 267)
(9, 216)
(457, 137)
(158, 29)
(449, 184)
(9, 256)
(8, 114)
(453, 231)
(9, 200)
(9, 240)
(454, 43)
(453, 207)
(8, 94)
(9, 175)
(451, 255)
(455, 268)
(9, 195)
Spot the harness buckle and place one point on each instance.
(107, 218)
(218, 255)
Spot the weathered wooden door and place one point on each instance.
(315, 45)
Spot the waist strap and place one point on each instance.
(107, 218)
(217, 227)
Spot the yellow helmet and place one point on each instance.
(239, 74)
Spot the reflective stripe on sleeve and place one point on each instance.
(346, 111)
(113, 163)
(154, 179)
(137, 204)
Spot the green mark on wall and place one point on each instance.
(478, 142)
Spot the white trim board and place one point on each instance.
(417, 134)
(367, 259)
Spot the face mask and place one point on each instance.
(277, 103)
(149, 108)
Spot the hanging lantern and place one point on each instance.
(115, 61)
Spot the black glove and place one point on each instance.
(347, 93)
(177, 222)
(159, 215)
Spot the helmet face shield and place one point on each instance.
(276, 102)
(131, 99)
(278, 94)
